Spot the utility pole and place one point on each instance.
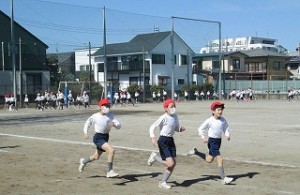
(3, 68)
(13, 51)
(20, 70)
(90, 69)
(144, 91)
(188, 68)
(220, 61)
(104, 53)
(172, 59)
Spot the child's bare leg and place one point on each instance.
(220, 166)
(209, 158)
(96, 155)
(111, 152)
(170, 164)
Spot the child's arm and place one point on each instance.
(202, 129)
(156, 124)
(226, 130)
(89, 122)
(178, 127)
(116, 123)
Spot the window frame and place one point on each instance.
(158, 59)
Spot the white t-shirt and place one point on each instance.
(167, 124)
(215, 127)
(101, 123)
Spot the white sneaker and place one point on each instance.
(111, 174)
(227, 180)
(192, 152)
(164, 185)
(151, 159)
(82, 165)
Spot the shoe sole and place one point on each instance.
(149, 163)
(112, 176)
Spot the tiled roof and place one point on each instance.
(262, 52)
(140, 43)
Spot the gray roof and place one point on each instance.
(262, 53)
(17, 25)
(140, 43)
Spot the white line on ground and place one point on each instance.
(139, 149)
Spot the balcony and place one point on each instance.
(128, 66)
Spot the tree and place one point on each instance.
(52, 64)
(69, 77)
(85, 76)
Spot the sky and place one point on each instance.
(73, 24)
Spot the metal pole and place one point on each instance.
(144, 91)
(104, 53)
(20, 71)
(172, 59)
(188, 69)
(90, 69)
(268, 77)
(3, 56)
(220, 60)
(13, 51)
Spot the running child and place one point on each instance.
(103, 121)
(26, 101)
(216, 126)
(167, 124)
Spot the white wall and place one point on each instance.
(180, 71)
(82, 58)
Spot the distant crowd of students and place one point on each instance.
(50, 100)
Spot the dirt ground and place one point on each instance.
(40, 151)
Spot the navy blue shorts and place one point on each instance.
(166, 147)
(214, 145)
(100, 139)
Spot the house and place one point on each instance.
(256, 64)
(83, 60)
(293, 64)
(32, 73)
(243, 44)
(146, 57)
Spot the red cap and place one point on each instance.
(216, 104)
(167, 102)
(103, 102)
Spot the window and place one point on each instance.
(252, 67)
(158, 59)
(175, 59)
(215, 65)
(133, 80)
(256, 67)
(277, 65)
(87, 67)
(82, 67)
(147, 80)
(183, 60)
(34, 83)
(238, 43)
(101, 67)
(236, 64)
(180, 82)
(162, 81)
